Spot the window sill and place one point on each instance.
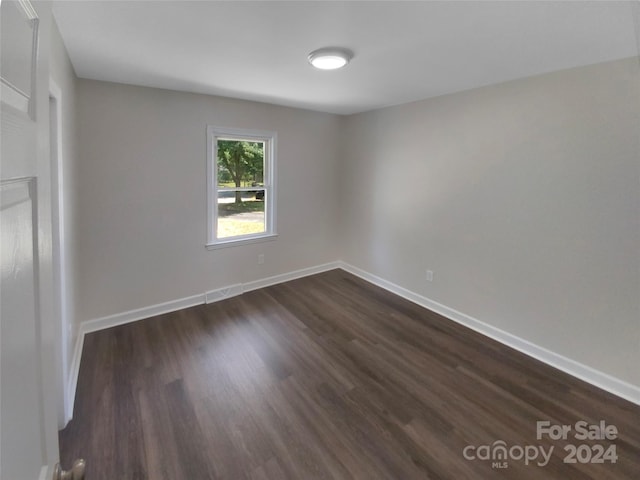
(242, 241)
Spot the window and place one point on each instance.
(241, 190)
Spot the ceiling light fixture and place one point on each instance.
(330, 58)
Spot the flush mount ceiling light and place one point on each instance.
(330, 58)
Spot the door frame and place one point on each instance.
(59, 256)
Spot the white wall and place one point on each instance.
(142, 195)
(523, 198)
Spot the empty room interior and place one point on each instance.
(324, 240)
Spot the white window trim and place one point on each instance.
(270, 139)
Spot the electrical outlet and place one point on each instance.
(429, 276)
(261, 259)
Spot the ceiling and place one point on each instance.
(404, 51)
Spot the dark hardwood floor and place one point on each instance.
(326, 377)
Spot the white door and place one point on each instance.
(28, 433)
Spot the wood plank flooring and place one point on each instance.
(325, 377)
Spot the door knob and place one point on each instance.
(76, 472)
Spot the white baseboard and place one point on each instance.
(285, 277)
(595, 377)
(109, 321)
(590, 375)
(140, 313)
